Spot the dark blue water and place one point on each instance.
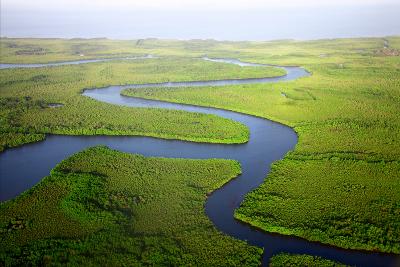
(23, 167)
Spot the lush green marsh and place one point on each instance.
(105, 207)
(340, 185)
(26, 93)
(289, 260)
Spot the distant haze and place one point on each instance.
(188, 19)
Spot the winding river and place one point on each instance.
(23, 167)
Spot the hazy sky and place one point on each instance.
(186, 19)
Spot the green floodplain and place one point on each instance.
(339, 186)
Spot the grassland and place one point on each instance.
(341, 183)
(104, 207)
(291, 260)
(25, 95)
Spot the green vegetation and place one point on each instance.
(288, 260)
(103, 207)
(348, 203)
(14, 50)
(25, 95)
(341, 184)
